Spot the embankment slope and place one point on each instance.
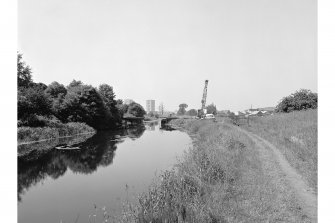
(227, 176)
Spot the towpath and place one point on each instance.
(276, 161)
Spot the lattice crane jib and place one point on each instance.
(204, 96)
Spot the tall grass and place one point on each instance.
(31, 134)
(295, 134)
(219, 179)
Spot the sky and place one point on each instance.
(252, 52)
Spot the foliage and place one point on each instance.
(182, 109)
(34, 120)
(136, 109)
(211, 109)
(119, 101)
(300, 100)
(24, 77)
(75, 83)
(28, 134)
(192, 112)
(32, 101)
(108, 96)
(55, 89)
(122, 108)
(83, 103)
(40, 105)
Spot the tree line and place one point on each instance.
(302, 99)
(42, 105)
(211, 109)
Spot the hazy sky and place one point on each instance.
(252, 52)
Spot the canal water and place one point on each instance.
(110, 168)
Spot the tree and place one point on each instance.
(54, 89)
(122, 108)
(83, 103)
(24, 77)
(192, 112)
(211, 109)
(300, 100)
(182, 109)
(108, 95)
(32, 101)
(75, 83)
(136, 109)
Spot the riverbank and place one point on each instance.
(225, 177)
(28, 135)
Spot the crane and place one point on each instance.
(202, 112)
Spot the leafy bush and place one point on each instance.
(27, 134)
(300, 100)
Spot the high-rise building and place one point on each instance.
(161, 109)
(150, 105)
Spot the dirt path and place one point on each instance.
(306, 197)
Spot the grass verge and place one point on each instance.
(295, 134)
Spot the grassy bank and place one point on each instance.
(33, 134)
(295, 134)
(220, 179)
(41, 147)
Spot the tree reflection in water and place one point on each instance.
(94, 152)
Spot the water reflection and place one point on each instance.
(99, 150)
(167, 128)
(151, 126)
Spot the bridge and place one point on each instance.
(165, 120)
(137, 120)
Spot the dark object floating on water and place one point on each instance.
(66, 147)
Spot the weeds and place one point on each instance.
(219, 179)
(29, 134)
(295, 134)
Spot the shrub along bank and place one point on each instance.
(29, 134)
(220, 179)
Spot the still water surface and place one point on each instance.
(110, 168)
